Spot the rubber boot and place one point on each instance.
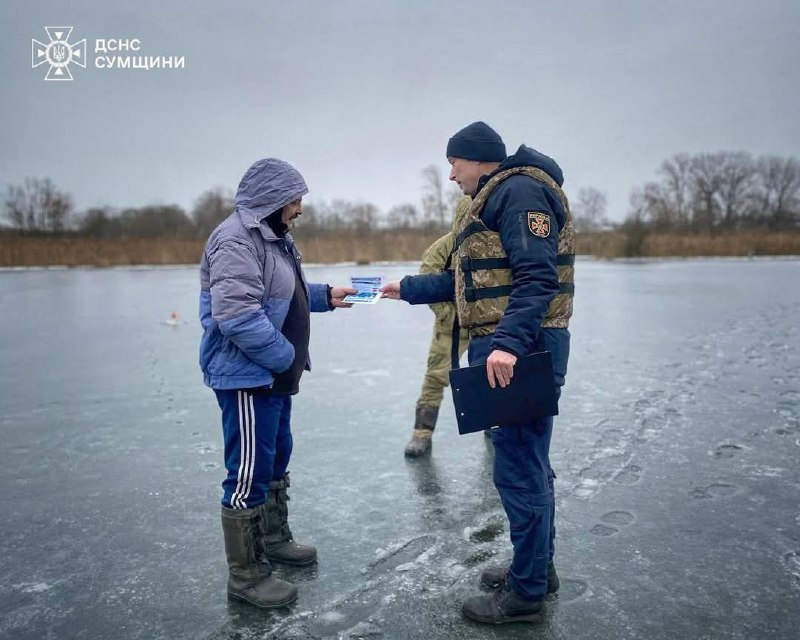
(502, 606)
(421, 437)
(494, 577)
(276, 537)
(249, 581)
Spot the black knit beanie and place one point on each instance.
(477, 141)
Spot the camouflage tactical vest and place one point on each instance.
(483, 273)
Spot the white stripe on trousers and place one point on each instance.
(244, 479)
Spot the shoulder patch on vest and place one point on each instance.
(539, 223)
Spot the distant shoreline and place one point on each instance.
(379, 247)
(413, 264)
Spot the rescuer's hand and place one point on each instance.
(500, 368)
(391, 290)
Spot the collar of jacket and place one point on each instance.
(526, 157)
(252, 219)
(487, 176)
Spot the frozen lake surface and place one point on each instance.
(677, 453)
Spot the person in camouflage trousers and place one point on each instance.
(436, 259)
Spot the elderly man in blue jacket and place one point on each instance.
(254, 309)
(512, 283)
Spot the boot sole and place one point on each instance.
(260, 604)
(531, 617)
(292, 563)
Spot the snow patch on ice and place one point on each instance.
(769, 472)
(34, 587)
(331, 616)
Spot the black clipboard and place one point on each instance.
(531, 394)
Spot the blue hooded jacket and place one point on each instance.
(533, 259)
(247, 280)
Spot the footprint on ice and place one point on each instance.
(716, 490)
(791, 396)
(629, 474)
(353, 614)
(610, 522)
(621, 518)
(727, 450)
(571, 589)
(602, 530)
(363, 631)
(611, 438)
(407, 553)
(204, 448)
(720, 490)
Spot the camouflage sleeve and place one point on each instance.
(462, 208)
(435, 256)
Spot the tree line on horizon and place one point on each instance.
(38, 207)
(704, 193)
(720, 192)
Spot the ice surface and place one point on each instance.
(676, 451)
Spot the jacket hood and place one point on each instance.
(268, 185)
(527, 157)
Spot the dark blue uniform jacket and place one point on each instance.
(532, 258)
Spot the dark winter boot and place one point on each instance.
(278, 544)
(494, 577)
(421, 437)
(501, 607)
(249, 581)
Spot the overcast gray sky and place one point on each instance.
(361, 95)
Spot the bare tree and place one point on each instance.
(403, 216)
(779, 186)
(98, 222)
(722, 191)
(736, 180)
(706, 171)
(333, 215)
(361, 217)
(156, 221)
(635, 226)
(434, 205)
(211, 208)
(589, 209)
(37, 205)
(677, 185)
(660, 211)
(310, 223)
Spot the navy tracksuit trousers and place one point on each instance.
(524, 479)
(258, 444)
